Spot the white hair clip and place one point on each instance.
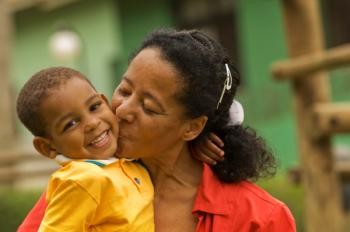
(227, 84)
(236, 114)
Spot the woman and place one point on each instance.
(178, 87)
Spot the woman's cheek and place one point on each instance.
(116, 102)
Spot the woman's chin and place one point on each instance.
(121, 153)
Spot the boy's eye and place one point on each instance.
(69, 125)
(95, 106)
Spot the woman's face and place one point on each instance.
(152, 122)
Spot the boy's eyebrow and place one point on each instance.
(146, 94)
(64, 117)
(92, 97)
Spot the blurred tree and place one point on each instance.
(7, 131)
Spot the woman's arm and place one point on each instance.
(281, 219)
(33, 220)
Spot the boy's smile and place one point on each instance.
(80, 123)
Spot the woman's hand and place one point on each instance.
(208, 150)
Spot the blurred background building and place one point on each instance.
(97, 37)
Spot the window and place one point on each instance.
(215, 17)
(336, 20)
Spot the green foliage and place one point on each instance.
(14, 205)
(291, 194)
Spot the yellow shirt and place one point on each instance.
(85, 197)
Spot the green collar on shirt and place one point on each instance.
(62, 160)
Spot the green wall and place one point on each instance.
(96, 21)
(110, 31)
(267, 102)
(113, 29)
(138, 19)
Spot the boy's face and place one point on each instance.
(80, 123)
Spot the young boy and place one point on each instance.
(73, 124)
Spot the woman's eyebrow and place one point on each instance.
(128, 81)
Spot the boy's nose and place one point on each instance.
(92, 123)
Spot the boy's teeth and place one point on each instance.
(100, 138)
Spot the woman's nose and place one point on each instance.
(125, 111)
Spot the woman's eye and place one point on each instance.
(95, 106)
(69, 125)
(148, 110)
(123, 92)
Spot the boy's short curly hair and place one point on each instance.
(36, 90)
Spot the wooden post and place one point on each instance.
(7, 130)
(322, 191)
(330, 119)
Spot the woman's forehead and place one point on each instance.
(152, 58)
(150, 69)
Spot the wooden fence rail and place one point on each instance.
(306, 64)
(24, 169)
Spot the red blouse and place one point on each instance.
(238, 207)
(32, 222)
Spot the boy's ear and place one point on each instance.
(195, 127)
(44, 147)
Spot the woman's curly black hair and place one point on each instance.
(200, 62)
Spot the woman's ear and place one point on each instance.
(44, 146)
(195, 127)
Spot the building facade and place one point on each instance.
(108, 31)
